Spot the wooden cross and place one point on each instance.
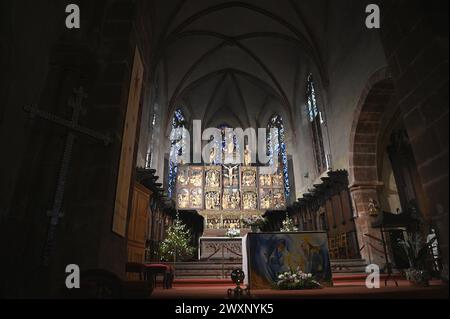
(55, 213)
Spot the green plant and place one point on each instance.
(416, 249)
(176, 246)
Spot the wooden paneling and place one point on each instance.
(138, 225)
(126, 165)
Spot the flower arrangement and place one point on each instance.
(255, 220)
(233, 232)
(296, 280)
(288, 225)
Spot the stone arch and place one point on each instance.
(367, 118)
(363, 160)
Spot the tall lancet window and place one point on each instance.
(176, 149)
(279, 151)
(315, 118)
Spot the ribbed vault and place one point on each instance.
(236, 60)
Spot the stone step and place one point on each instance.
(348, 266)
(218, 269)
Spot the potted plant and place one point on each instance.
(254, 222)
(416, 250)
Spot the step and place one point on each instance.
(337, 279)
(348, 266)
(218, 269)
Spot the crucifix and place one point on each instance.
(230, 174)
(55, 213)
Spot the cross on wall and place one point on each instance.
(55, 213)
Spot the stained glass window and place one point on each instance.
(279, 152)
(315, 119)
(176, 149)
(149, 157)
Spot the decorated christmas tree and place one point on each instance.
(176, 246)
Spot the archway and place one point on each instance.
(383, 170)
(363, 173)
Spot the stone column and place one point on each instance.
(368, 237)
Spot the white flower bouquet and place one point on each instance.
(233, 232)
(296, 280)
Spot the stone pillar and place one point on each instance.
(368, 237)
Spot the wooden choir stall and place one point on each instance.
(150, 215)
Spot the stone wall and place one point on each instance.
(415, 39)
(99, 58)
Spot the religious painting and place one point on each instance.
(278, 201)
(212, 177)
(183, 198)
(248, 177)
(183, 176)
(231, 175)
(231, 199)
(265, 180)
(212, 200)
(265, 198)
(196, 176)
(196, 198)
(269, 254)
(277, 180)
(249, 200)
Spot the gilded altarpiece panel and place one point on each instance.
(271, 192)
(190, 187)
(249, 187)
(213, 187)
(231, 196)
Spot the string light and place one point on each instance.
(280, 149)
(176, 149)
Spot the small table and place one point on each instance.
(152, 270)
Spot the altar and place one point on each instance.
(220, 248)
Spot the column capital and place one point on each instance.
(356, 186)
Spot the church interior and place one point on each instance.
(113, 187)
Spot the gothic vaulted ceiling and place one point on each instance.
(237, 61)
